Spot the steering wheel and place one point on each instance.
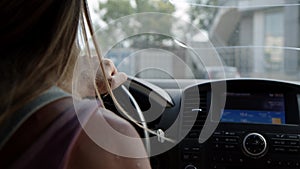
(141, 118)
(130, 105)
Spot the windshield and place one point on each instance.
(201, 39)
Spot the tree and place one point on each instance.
(203, 16)
(113, 9)
(119, 8)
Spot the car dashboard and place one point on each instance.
(227, 124)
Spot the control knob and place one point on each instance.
(190, 167)
(254, 145)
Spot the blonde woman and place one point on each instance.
(38, 124)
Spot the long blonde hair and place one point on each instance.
(37, 44)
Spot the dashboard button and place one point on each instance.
(218, 167)
(193, 134)
(230, 147)
(241, 160)
(279, 142)
(293, 143)
(297, 164)
(218, 133)
(186, 149)
(231, 139)
(216, 139)
(195, 157)
(217, 146)
(230, 133)
(279, 149)
(186, 156)
(196, 149)
(277, 136)
(279, 163)
(292, 136)
(289, 163)
(293, 150)
(269, 162)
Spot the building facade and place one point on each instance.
(259, 40)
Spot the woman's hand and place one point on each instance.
(115, 78)
(86, 76)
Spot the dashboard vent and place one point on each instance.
(195, 110)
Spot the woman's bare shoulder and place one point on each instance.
(107, 141)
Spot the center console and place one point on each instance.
(258, 128)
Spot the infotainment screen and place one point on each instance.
(263, 108)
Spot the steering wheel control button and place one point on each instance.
(254, 145)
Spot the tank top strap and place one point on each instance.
(11, 125)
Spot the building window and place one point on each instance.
(274, 39)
